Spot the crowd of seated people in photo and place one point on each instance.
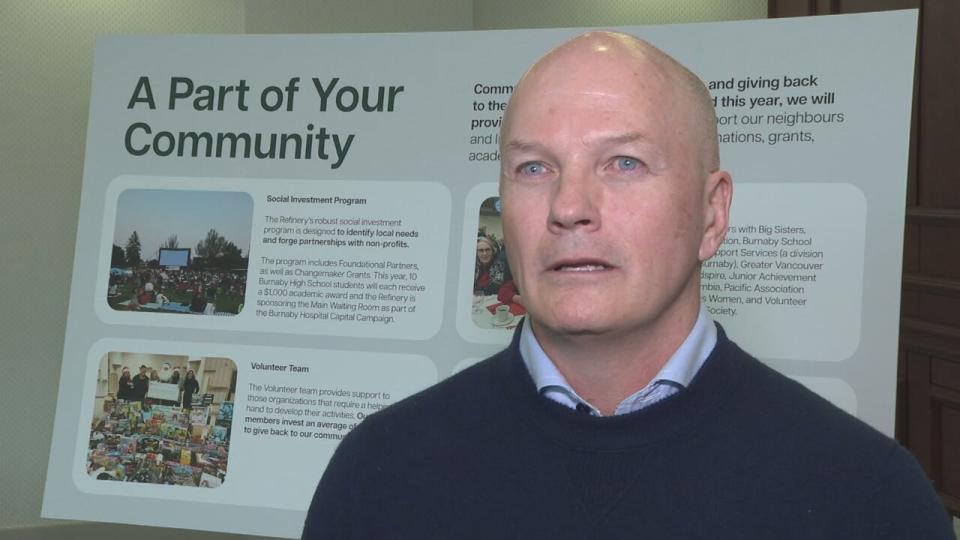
(197, 289)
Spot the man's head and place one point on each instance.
(610, 186)
(143, 369)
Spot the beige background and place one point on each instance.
(46, 56)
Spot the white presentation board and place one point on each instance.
(331, 189)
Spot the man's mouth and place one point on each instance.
(581, 266)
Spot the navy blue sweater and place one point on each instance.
(743, 452)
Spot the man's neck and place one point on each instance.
(606, 368)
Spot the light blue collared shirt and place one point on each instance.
(675, 375)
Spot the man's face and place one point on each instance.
(143, 371)
(603, 201)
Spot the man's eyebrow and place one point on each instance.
(521, 146)
(614, 140)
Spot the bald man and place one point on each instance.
(619, 410)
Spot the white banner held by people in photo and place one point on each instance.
(306, 224)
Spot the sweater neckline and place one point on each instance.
(673, 416)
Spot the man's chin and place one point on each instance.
(579, 323)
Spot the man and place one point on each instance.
(619, 410)
(141, 384)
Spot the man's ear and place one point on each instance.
(717, 196)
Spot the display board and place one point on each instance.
(332, 191)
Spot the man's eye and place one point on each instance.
(532, 168)
(625, 163)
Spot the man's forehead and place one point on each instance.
(617, 81)
(588, 109)
(594, 73)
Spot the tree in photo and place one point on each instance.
(231, 257)
(132, 251)
(212, 246)
(117, 258)
(172, 242)
(218, 252)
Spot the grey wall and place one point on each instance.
(46, 58)
(505, 14)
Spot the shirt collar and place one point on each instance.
(675, 374)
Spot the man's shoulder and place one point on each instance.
(778, 404)
(796, 425)
(456, 403)
(458, 390)
(820, 454)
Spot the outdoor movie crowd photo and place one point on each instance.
(180, 252)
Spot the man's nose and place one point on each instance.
(575, 202)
